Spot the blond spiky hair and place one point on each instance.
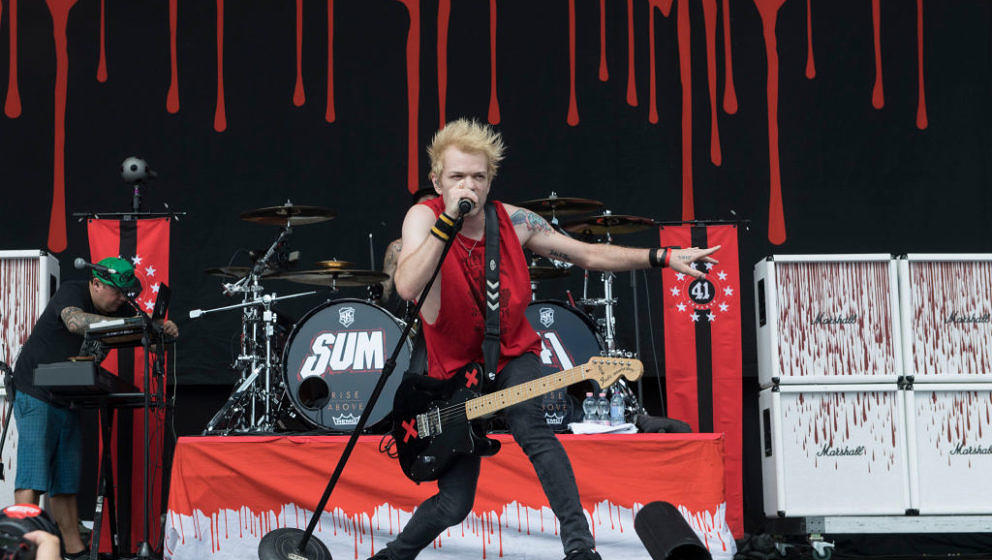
(469, 136)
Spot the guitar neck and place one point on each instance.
(494, 402)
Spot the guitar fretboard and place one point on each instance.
(493, 402)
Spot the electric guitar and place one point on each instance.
(434, 420)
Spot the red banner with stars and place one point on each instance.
(703, 347)
(145, 243)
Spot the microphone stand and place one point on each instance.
(293, 544)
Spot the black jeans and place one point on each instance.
(456, 488)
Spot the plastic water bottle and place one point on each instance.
(589, 412)
(617, 406)
(603, 408)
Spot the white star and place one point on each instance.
(149, 305)
(680, 307)
(155, 288)
(711, 316)
(694, 317)
(136, 260)
(724, 307)
(721, 275)
(679, 276)
(728, 290)
(709, 266)
(150, 271)
(675, 291)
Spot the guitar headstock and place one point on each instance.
(605, 370)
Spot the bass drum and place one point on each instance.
(568, 339)
(334, 358)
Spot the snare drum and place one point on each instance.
(568, 339)
(334, 358)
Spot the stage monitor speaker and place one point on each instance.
(666, 535)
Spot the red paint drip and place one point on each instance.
(877, 93)
(412, 89)
(443, 16)
(768, 10)
(921, 103)
(709, 15)
(329, 111)
(666, 7)
(685, 71)
(631, 80)
(101, 67)
(729, 93)
(604, 74)
(810, 64)
(56, 225)
(573, 108)
(220, 113)
(172, 98)
(493, 100)
(299, 97)
(12, 107)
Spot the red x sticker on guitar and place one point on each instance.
(409, 426)
(471, 378)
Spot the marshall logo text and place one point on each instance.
(830, 451)
(959, 318)
(963, 449)
(827, 319)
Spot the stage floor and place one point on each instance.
(226, 492)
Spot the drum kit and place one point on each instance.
(318, 372)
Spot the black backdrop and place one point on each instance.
(855, 178)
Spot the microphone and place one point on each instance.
(80, 263)
(465, 206)
(136, 170)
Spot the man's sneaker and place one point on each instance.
(583, 554)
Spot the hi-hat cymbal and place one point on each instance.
(561, 205)
(237, 272)
(335, 264)
(547, 272)
(606, 223)
(294, 214)
(341, 278)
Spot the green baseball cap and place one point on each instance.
(124, 279)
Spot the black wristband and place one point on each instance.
(654, 260)
(444, 225)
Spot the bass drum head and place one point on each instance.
(334, 359)
(568, 339)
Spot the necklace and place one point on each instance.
(469, 249)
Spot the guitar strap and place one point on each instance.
(490, 343)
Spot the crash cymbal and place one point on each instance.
(341, 278)
(294, 214)
(335, 264)
(606, 223)
(547, 272)
(236, 272)
(561, 205)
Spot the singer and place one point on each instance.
(49, 438)
(465, 157)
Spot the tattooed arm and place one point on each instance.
(389, 267)
(76, 320)
(537, 235)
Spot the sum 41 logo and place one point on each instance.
(342, 352)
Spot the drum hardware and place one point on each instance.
(334, 264)
(609, 224)
(289, 215)
(555, 205)
(237, 272)
(336, 278)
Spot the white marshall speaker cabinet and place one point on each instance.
(834, 450)
(827, 319)
(947, 317)
(950, 447)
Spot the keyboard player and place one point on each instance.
(49, 438)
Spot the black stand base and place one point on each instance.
(282, 544)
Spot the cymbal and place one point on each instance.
(602, 224)
(341, 278)
(294, 214)
(561, 205)
(547, 272)
(335, 264)
(237, 272)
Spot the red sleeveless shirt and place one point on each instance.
(455, 338)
